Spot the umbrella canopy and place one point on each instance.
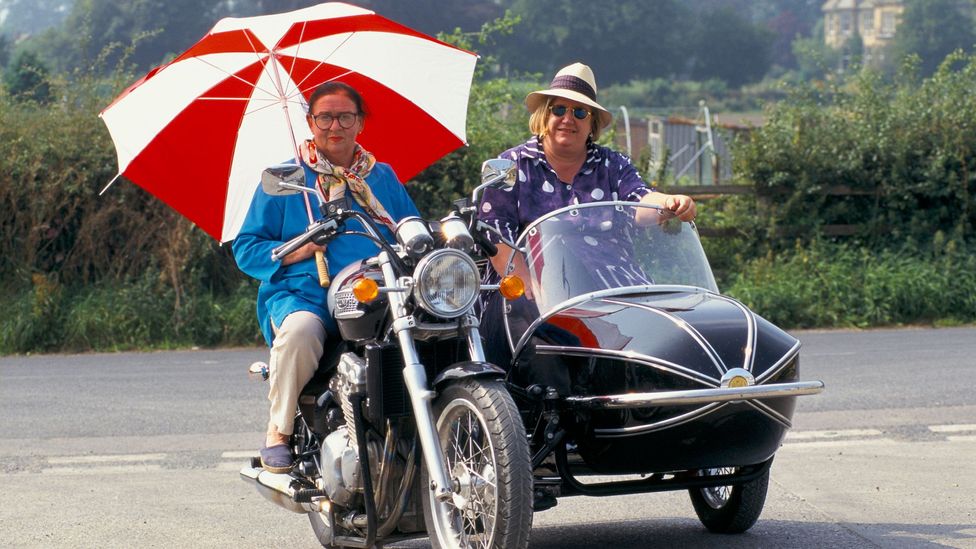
(198, 131)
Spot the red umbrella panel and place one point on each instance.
(197, 132)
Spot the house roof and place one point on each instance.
(840, 5)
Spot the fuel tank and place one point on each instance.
(357, 321)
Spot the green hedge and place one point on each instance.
(907, 145)
(825, 284)
(133, 314)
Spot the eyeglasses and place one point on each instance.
(560, 110)
(323, 120)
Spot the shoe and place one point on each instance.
(276, 459)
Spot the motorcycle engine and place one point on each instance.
(341, 474)
(340, 467)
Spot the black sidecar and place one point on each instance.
(662, 376)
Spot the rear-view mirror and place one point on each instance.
(284, 179)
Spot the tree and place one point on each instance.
(932, 29)
(28, 17)
(633, 39)
(27, 78)
(729, 47)
(814, 58)
(101, 31)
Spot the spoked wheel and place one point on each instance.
(730, 509)
(487, 458)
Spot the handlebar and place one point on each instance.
(320, 227)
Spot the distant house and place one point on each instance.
(875, 21)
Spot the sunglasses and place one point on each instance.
(579, 113)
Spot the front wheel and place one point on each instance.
(487, 458)
(730, 509)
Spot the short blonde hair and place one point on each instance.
(539, 119)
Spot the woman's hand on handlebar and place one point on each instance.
(303, 253)
(683, 206)
(680, 205)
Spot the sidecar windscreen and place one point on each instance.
(604, 247)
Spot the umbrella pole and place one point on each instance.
(283, 99)
(321, 264)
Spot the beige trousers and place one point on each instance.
(295, 354)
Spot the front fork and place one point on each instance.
(415, 378)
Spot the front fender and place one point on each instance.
(468, 368)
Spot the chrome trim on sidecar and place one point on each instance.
(782, 363)
(752, 332)
(769, 411)
(660, 425)
(665, 366)
(695, 396)
(631, 356)
(682, 325)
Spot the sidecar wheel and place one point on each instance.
(730, 509)
(487, 458)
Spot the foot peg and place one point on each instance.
(307, 495)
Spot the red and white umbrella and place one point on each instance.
(198, 131)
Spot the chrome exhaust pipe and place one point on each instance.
(276, 488)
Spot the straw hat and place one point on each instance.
(574, 82)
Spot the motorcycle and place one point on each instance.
(406, 430)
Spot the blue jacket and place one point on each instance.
(273, 220)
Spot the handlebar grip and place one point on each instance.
(323, 267)
(486, 244)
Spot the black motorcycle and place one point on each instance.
(406, 430)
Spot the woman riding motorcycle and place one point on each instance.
(291, 301)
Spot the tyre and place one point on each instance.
(730, 509)
(487, 458)
(322, 528)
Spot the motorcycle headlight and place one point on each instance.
(446, 283)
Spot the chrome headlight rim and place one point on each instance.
(422, 268)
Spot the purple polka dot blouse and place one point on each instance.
(604, 175)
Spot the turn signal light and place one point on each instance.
(511, 287)
(365, 290)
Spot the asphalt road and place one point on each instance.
(143, 449)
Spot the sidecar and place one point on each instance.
(660, 375)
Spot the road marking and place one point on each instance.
(961, 438)
(831, 434)
(101, 470)
(245, 454)
(64, 460)
(952, 428)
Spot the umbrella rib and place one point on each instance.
(294, 59)
(322, 62)
(232, 75)
(271, 103)
(298, 91)
(265, 68)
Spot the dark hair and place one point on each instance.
(336, 87)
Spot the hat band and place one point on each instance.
(573, 83)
